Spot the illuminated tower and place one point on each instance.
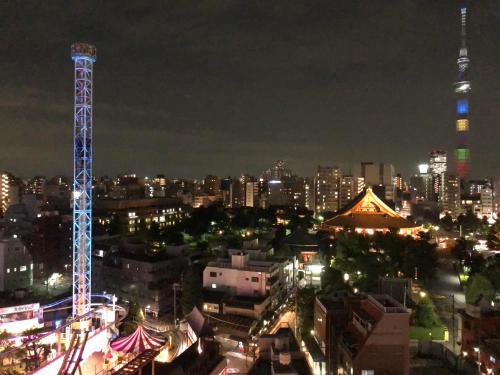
(462, 90)
(84, 56)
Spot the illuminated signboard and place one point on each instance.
(20, 308)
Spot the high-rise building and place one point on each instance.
(326, 187)
(211, 185)
(421, 183)
(451, 195)
(376, 174)
(36, 186)
(9, 191)
(486, 195)
(462, 91)
(350, 187)
(496, 196)
(277, 171)
(380, 176)
(475, 186)
(437, 169)
(251, 194)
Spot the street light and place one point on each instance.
(477, 349)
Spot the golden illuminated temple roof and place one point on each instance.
(367, 211)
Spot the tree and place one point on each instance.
(135, 312)
(478, 286)
(425, 316)
(459, 250)
(447, 222)
(332, 280)
(421, 255)
(35, 350)
(470, 222)
(305, 309)
(494, 236)
(191, 288)
(279, 235)
(114, 225)
(154, 231)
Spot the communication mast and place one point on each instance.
(462, 92)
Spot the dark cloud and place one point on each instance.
(193, 87)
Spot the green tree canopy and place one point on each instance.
(332, 280)
(470, 222)
(477, 286)
(135, 312)
(494, 235)
(305, 309)
(192, 284)
(425, 315)
(447, 222)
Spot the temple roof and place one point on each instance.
(368, 211)
(300, 238)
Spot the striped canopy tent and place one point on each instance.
(137, 342)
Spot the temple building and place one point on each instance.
(367, 213)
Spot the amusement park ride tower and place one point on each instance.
(84, 56)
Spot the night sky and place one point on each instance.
(187, 88)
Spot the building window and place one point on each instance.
(22, 268)
(213, 274)
(367, 372)
(255, 279)
(214, 286)
(8, 270)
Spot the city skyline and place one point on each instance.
(190, 105)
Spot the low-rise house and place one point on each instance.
(362, 334)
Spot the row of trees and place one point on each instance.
(468, 223)
(367, 259)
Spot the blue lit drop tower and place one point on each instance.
(462, 92)
(84, 56)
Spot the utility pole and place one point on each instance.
(454, 339)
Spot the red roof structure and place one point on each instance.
(368, 213)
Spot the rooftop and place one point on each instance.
(252, 265)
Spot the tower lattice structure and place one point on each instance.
(462, 92)
(84, 56)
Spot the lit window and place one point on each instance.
(8, 270)
(214, 286)
(23, 268)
